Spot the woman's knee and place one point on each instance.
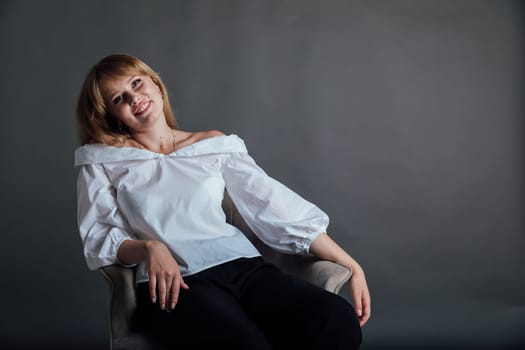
(339, 328)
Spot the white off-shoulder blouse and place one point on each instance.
(130, 193)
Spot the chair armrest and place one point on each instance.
(323, 273)
(121, 282)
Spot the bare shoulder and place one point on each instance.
(212, 133)
(201, 135)
(187, 138)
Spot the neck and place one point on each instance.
(159, 139)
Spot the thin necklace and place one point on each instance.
(172, 141)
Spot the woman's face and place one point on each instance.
(136, 101)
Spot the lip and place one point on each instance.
(148, 103)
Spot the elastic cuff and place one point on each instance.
(117, 247)
(307, 242)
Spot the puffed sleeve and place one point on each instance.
(101, 225)
(278, 216)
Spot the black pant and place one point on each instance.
(250, 304)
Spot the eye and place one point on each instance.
(136, 82)
(117, 100)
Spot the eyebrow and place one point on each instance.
(112, 94)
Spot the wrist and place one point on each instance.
(354, 266)
(151, 246)
(357, 270)
(134, 251)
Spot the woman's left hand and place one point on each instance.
(325, 248)
(360, 295)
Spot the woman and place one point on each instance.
(150, 195)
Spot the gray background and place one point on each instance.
(401, 119)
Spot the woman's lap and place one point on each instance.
(252, 304)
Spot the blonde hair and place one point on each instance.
(95, 124)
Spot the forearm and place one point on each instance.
(135, 251)
(163, 271)
(325, 248)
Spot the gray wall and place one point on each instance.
(401, 119)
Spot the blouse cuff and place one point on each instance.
(106, 255)
(117, 247)
(304, 244)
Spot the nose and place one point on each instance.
(134, 98)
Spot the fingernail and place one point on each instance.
(162, 306)
(359, 313)
(172, 306)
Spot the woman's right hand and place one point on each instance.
(165, 279)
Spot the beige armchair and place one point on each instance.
(125, 335)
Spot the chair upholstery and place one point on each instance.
(121, 281)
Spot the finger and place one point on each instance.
(169, 284)
(174, 295)
(161, 287)
(364, 319)
(366, 305)
(153, 288)
(366, 309)
(357, 304)
(183, 284)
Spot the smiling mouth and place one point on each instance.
(142, 108)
